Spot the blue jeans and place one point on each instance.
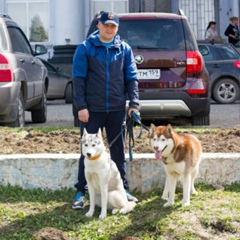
(114, 123)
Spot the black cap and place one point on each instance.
(109, 17)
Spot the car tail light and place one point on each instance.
(237, 64)
(6, 74)
(194, 62)
(196, 91)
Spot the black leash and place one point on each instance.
(135, 118)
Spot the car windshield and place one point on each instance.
(162, 34)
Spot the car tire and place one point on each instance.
(202, 118)
(201, 121)
(40, 115)
(69, 94)
(20, 112)
(226, 91)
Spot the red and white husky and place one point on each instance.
(181, 155)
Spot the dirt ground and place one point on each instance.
(32, 140)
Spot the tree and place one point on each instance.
(37, 31)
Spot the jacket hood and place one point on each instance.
(94, 38)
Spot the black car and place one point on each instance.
(223, 64)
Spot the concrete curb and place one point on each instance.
(58, 171)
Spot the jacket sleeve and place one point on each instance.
(80, 67)
(228, 31)
(131, 80)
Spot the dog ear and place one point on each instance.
(85, 132)
(169, 130)
(152, 130)
(99, 134)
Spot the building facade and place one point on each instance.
(59, 22)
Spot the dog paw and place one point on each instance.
(115, 211)
(164, 197)
(102, 216)
(194, 192)
(168, 204)
(89, 214)
(186, 204)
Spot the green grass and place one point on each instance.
(213, 214)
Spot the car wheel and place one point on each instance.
(226, 91)
(20, 112)
(68, 94)
(40, 115)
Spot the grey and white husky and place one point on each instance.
(105, 184)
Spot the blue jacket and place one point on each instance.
(103, 78)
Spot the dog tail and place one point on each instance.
(128, 208)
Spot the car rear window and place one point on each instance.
(3, 41)
(162, 34)
(165, 34)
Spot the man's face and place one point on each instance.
(107, 32)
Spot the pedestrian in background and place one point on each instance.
(211, 33)
(104, 76)
(232, 31)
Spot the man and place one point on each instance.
(105, 74)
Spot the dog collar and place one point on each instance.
(94, 158)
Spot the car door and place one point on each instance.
(57, 82)
(213, 61)
(230, 56)
(31, 68)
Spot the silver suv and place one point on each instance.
(23, 77)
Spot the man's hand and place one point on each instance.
(130, 111)
(83, 115)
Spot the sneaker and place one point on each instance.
(130, 197)
(80, 201)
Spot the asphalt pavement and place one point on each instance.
(60, 114)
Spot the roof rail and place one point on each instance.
(98, 14)
(181, 12)
(5, 15)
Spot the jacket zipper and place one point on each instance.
(108, 81)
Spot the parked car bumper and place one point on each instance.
(8, 95)
(174, 105)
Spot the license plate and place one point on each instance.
(149, 74)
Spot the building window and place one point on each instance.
(119, 6)
(32, 16)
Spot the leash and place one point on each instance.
(135, 118)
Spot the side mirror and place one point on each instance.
(39, 49)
